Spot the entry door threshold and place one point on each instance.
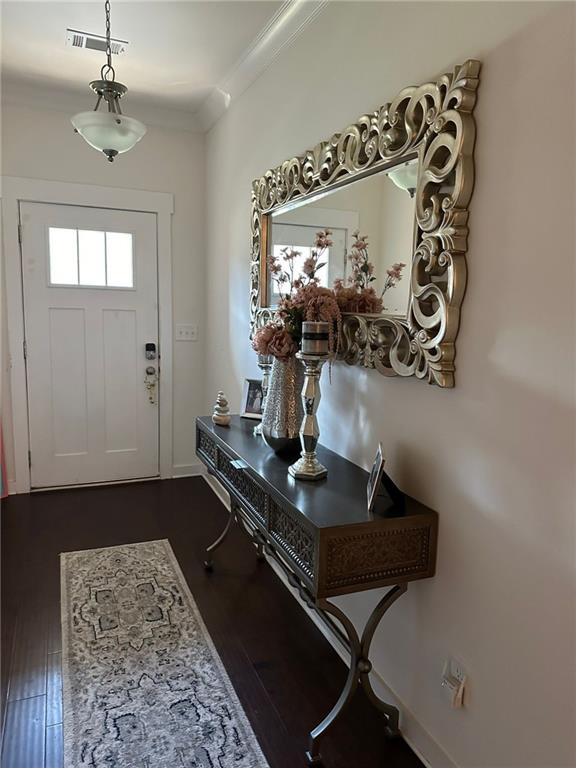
(94, 485)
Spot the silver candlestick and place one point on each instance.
(265, 365)
(308, 467)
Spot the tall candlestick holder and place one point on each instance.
(265, 365)
(308, 467)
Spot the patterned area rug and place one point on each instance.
(143, 684)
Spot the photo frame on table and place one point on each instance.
(375, 478)
(252, 397)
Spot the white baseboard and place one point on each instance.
(188, 470)
(178, 470)
(219, 490)
(421, 742)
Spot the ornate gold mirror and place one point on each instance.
(393, 191)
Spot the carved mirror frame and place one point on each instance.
(433, 122)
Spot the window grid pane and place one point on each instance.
(89, 257)
(119, 260)
(63, 252)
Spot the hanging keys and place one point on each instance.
(150, 383)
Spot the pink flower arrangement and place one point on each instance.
(358, 296)
(274, 339)
(263, 337)
(362, 269)
(395, 271)
(394, 275)
(302, 298)
(282, 269)
(363, 301)
(313, 302)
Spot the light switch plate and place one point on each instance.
(187, 332)
(454, 680)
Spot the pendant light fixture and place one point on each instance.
(110, 132)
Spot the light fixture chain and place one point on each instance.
(108, 46)
(108, 69)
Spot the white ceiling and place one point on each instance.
(179, 51)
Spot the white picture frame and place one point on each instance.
(252, 399)
(375, 478)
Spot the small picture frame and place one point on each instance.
(252, 399)
(375, 478)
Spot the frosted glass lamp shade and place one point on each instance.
(109, 132)
(405, 176)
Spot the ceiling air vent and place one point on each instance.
(77, 39)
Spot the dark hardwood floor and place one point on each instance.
(285, 672)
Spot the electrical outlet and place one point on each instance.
(454, 682)
(187, 332)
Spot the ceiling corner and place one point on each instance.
(284, 28)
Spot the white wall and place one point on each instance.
(494, 456)
(38, 143)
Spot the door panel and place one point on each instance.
(67, 360)
(120, 379)
(90, 302)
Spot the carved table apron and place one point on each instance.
(323, 538)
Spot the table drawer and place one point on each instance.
(291, 536)
(246, 489)
(206, 448)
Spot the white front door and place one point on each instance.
(91, 307)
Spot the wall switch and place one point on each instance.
(187, 332)
(454, 682)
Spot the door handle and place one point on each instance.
(150, 382)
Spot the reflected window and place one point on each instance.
(298, 262)
(294, 267)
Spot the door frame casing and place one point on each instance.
(16, 190)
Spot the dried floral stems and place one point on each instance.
(302, 298)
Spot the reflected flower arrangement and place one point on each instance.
(359, 296)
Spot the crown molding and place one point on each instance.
(287, 24)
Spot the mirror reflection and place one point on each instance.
(359, 239)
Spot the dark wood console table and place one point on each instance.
(324, 539)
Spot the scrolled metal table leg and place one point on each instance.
(260, 556)
(208, 563)
(256, 537)
(359, 671)
(391, 713)
(313, 755)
